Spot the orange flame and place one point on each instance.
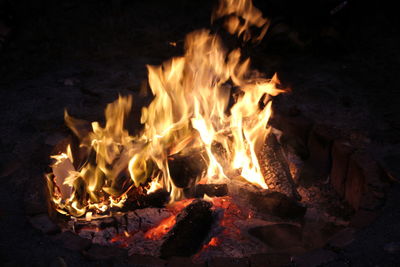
(190, 110)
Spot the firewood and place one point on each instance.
(191, 228)
(276, 169)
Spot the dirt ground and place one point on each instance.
(79, 55)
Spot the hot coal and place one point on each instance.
(191, 228)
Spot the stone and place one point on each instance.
(392, 248)
(270, 260)
(231, 262)
(58, 262)
(363, 218)
(183, 262)
(295, 145)
(367, 183)
(391, 165)
(71, 81)
(341, 152)
(97, 252)
(72, 241)
(35, 199)
(11, 164)
(355, 183)
(278, 236)
(55, 139)
(317, 167)
(277, 204)
(43, 223)
(297, 127)
(369, 201)
(146, 261)
(315, 258)
(342, 238)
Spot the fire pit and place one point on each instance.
(214, 174)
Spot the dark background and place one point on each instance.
(343, 69)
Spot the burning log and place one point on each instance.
(266, 201)
(138, 200)
(211, 190)
(185, 168)
(276, 170)
(191, 228)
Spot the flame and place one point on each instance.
(241, 16)
(191, 111)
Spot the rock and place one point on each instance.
(72, 241)
(355, 183)
(270, 260)
(55, 139)
(363, 218)
(97, 252)
(392, 248)
(277, 204)
(316, 234)
(146, 261)
(278, 236)
(11, 164)
(341, 152)
(231, 262)
(312, 214)
(43, 223)
(183, 262)
(369, 201)
(315, 258)
(392, 167)
(58, 262)
(342, 238)
(293, 127)
(71, 81)
(317, 167)
(35, 199)
(365, 185)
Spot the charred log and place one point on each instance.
(138, 199)
(276, 170)
(188, 234)
(211, 190)
(185, 168)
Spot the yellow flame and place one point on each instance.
(241, 16)
(190, 112)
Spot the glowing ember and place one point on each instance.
(190, 111)
(159, 231)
